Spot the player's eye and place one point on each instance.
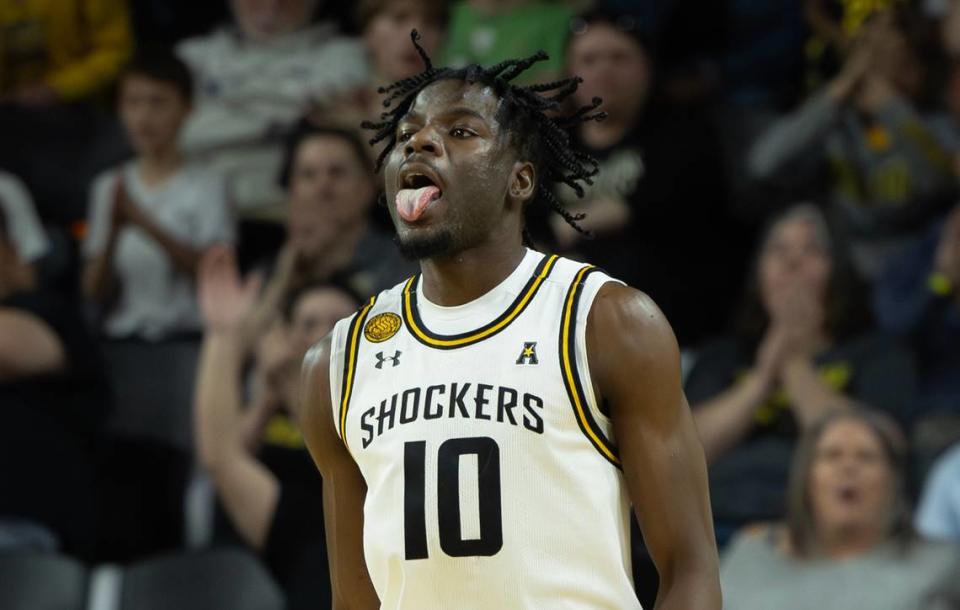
(404, 135)
(460, 132)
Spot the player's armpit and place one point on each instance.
(635, 363)
(344, 489)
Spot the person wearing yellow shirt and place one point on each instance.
(61, 50)
(58, 59)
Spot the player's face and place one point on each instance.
(152, 112)
(606, 58)
(851, 482)
(387, 39)
(447, 177)
(330, 192)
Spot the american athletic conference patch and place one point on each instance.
(381, 327)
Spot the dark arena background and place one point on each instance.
(188, 203)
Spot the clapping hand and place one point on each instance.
(796, 329)
(873, 57)
(125, 211)
(856, 66)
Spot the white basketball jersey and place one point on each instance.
(493, 480)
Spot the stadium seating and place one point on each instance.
(36, 581)
(224, 578)
(153, 389)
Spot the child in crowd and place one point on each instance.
(151, 218)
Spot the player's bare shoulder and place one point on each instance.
(626, 317)
(316, 410)
(317, 357)
(316, 368)
(629, 340)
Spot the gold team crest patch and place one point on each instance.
(381, 327)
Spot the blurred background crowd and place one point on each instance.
(187, 203)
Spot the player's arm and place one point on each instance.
(344, 489)
(635, 363)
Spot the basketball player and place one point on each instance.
(483, 427)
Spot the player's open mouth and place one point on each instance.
(417, 192)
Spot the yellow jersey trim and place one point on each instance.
(571, 380)
(350, 365)
(422, 334)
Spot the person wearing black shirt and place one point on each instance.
(267, 485)
(804, 349)
(52, 400)
(658, 200)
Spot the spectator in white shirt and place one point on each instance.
(151, 219)
(255, 79)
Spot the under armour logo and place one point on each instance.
(395, 359)
(529, 353)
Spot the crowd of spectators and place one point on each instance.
(781, 179)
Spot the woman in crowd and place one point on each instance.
(847, 542)
(802, 350)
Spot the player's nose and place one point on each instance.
(422, 141)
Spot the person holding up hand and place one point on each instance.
(250, 442)
(802, 351)
(861, 140)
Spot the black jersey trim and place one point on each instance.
(350, 364)
(571, 378)
(421, 333)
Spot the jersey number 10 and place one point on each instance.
(448, 498)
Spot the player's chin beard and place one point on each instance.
(430, 244)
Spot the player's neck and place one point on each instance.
(470, 274)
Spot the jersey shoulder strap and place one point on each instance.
(375, 321)
(574, 364)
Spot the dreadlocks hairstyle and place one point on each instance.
(531, 115)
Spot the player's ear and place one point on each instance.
(523, 181)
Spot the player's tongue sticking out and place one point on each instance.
(411, 203)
